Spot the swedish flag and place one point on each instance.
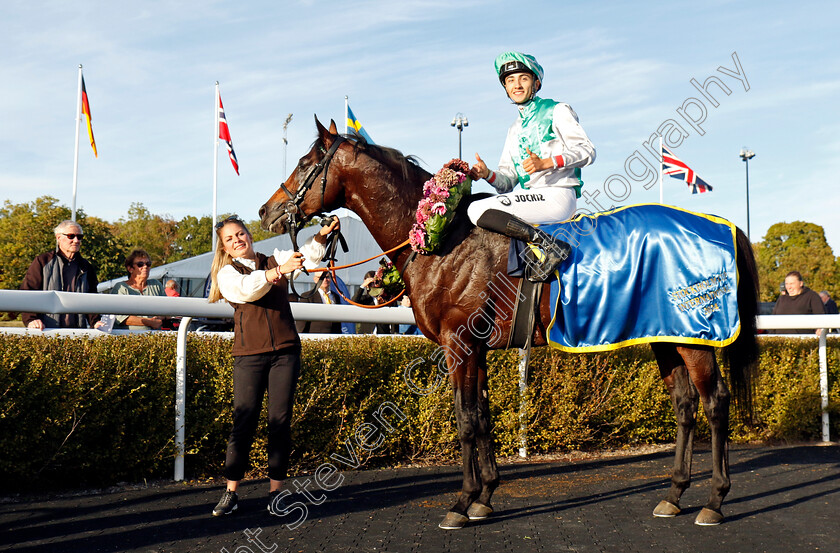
(353, 125)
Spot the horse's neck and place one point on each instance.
(387, 208)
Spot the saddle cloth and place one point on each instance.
(644, 273)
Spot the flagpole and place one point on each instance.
(660, 170)
(215, 165)
(346, 114)
(76, 155)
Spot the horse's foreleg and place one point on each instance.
(684, 399)
(485, 455)
(466, 416)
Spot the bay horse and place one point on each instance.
(469, 276)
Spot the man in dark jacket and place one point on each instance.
(62, 270)
(829, 304)
(324, 295)
(799, 300)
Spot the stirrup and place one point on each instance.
(554, 253)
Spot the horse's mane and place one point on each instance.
(396, 161)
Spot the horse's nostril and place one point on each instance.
(262, 211)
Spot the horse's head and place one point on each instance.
(311, 189)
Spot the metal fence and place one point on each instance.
(188, 308)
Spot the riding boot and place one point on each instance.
(554, 251)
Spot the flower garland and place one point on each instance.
(387, 283)
(441, 195)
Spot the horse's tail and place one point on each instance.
(742, 354)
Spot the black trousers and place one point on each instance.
(278, 373)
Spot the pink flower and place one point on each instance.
(418, 238)
(422, 216)
(439, 208)
(440, 193)
(458, 165)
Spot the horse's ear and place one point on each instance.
(333, 128)
(323, 133)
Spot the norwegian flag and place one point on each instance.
(677, 168)
(224, 135)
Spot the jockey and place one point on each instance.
(538, 178)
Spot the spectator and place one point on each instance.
(138, 264)
(367, 294)
(363, 297)
(799, 300)
(408, 329)
(828, 304)
(62, 270)
(324, 295)
(382, 328)
(171, 289)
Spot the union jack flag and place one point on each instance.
(224, 135)
(677, 168)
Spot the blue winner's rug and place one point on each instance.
(644, 273)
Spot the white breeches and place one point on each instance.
(550, 204)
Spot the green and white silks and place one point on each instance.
(549, 129)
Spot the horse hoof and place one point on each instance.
(666, 509)
(708, 517)
(453, 521)
(479, 511)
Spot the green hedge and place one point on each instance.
(97, 411)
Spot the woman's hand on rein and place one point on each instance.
(293, 264)
(325, 231)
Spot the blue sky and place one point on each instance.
(408, 68)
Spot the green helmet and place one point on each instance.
(517, 62)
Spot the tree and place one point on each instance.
(154, 233)
(102, 248)
(257, 232)
(193, 236)
(26, 230)
(796, 246)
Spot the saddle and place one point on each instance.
(528, 294)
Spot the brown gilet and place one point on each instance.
(266, 324)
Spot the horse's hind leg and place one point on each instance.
(685, 400)
(705, 374)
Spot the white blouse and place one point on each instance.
(239, 288)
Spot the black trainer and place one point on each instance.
(227, 504)
(276, 504)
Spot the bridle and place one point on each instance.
(292, 210)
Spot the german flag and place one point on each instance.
(86, 111)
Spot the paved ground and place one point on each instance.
(783, 499)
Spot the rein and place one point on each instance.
(333, 268)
